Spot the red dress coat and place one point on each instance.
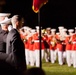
(68, 44)
(31, 43)
(74, 42)
(37, 42)
(59, 44)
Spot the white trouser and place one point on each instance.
(55, 54)
(64, 54)
(32, 57)
(37, 57)
(52, 56)
(60, 57)
(27, 56)
(74, 58)
(69, 57)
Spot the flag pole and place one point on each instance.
(75, 29)
(39, 39)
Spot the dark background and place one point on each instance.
(55, 13)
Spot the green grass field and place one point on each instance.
(56, 69)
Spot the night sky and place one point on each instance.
(55, 13)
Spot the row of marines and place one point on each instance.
(59, 45)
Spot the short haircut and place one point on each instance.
(16, 18)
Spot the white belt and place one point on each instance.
(38, 40)
(74, 42)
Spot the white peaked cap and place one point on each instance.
(53, 30)
(6, 21)
(57, 33)
(29, 28)
(48, 28)
(71, 30)
(5, 14)
(37, 27)
(25, 27)
(60, 27)
(64, 29)
(33, 30)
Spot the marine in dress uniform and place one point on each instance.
(27, 44)
(64, 33)
(68, 48)
(74, 49)
(31, 49)
(37, 47)
(3, 35)
(47, 45)
(53, 46)
(2, 17)
(59, 46)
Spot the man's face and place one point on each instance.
(2, 18)
(21, 22)
(4, 27)
(53, 33)
(48, 31)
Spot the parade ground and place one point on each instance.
(56, 69)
